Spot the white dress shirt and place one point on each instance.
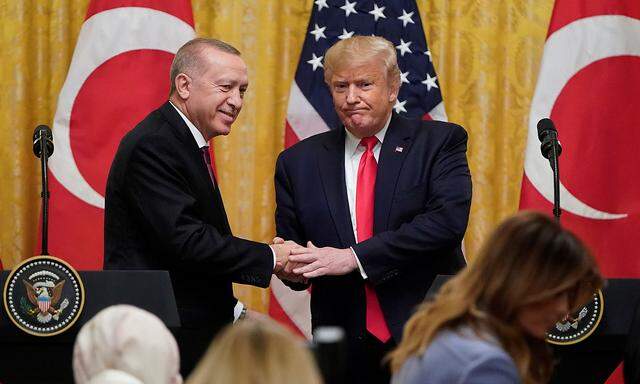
(353, 151)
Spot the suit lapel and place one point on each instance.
(331, 164)
(395, 148)
(183, 134)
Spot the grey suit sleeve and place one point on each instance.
(492, 369)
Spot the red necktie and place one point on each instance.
(365, 195)
(207, 160)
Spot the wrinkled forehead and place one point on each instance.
(353, 60)
(223, 64)
(367, 69)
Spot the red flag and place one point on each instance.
(118, 74)
(588, 85)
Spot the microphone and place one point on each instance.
(551, 149)
(43, 141)
(41, 134)
(548, 136)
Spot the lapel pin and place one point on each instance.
(399, 149)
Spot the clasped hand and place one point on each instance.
(297, 263)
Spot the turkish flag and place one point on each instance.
(589, 85)
(119, 73)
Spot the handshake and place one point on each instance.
(297, 263)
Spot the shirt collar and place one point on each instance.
(351, 141)
(192, 128)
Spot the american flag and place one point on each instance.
(311, 111)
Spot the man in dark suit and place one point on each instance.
(163, 207)
(384, 202)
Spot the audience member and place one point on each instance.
(123, 344)
(488, 323)
(251, 352)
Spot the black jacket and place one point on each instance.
(163, 212)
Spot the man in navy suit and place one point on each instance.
(382, 204)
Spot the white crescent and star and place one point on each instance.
(563, 58)
(138, 28)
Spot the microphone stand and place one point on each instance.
(556, 181)
(44, 194)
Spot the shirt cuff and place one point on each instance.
(362, 273)
(237, 310)
(275, 260)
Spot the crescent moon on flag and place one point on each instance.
(144, 28)
(562, 59)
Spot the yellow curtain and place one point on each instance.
(486, 55)
(36, 45)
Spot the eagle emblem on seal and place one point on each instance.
(571, 321)
(45, 295)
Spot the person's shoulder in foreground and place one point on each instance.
(461, 357)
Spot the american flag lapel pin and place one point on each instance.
(399, 149)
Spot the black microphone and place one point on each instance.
(43, 142)
(548, 136)
(42, 133)
(551, 149)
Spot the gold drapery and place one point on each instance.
(486, 55)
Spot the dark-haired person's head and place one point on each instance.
(528, 275)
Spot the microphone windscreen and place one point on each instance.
(44, 132)
(544, 126)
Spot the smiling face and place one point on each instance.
(538, 318)
(212, 97)
(363, 97)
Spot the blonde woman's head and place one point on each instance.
(256, 352)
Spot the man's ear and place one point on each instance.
(393, 92)
(394, 88)
(183, 85)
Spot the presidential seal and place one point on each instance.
(579, 325)
(43, 296)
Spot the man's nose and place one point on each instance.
(235, 99)
(352, 95)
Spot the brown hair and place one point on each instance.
(188, 59)
(529, 258)
(252, 352)
(359, 50)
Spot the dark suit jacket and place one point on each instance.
(163, 212)
(422, 200)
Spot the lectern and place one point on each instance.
(30, 359)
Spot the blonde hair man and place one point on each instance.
(382, 203)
